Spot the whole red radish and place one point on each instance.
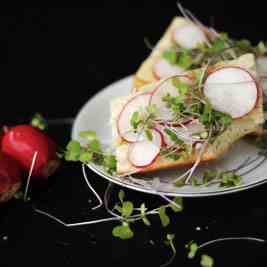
(22, 141)
(10, 177)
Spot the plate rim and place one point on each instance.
(138, 188)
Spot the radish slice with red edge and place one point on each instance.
(231, 90)
(164, 88)
(189, 36)
(163, 69)
(143, 154)
(124, 126)
(157, 138)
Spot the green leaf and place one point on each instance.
(193, 248)
(146, 221)
(164, 218)
(73, 151)
(169, 242)
(90, 135)
(225, 119)
(135, 120)
(143, 214)
(185, 59)
(170, 55)
(118, 208)
(230, 179)
(127, 208)
(182, 87)
(38, 121)
(94, 146)
(110, 163)
(206, 261)
(243, 44)
(179, 183)
(262, 49)
(121, 195)
(123, 231)
(149, 135)
(86, 156)
(152, 109)
(209, 175)
(170, 237)
(194, 181)
(179, 202)
(207, 112)
(217, 46)
(173, 136)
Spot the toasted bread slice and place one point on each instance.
(145, 73)
(237, 129)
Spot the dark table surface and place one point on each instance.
(52, 61)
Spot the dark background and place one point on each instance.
(52, 60)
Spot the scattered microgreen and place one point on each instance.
(91, 152)
(169, 242)
(149, 135)
(192, 248)
(121, 195)
(173, 136)
(218, 45)
(261, 48)
(142, 121)
(182, 87)
(127, 209)
(73, 151)
(164, 218)
(171, 154)
(223, 178)
(38, 121)
(89, 135)
(229, 179)
(185, 58)
(179, 204)
(206, 261)
(180, 183)
(135, 120)
(123, 231)
(170, 55)
(143, 210)
(243, 45)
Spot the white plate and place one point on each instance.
(95, 115)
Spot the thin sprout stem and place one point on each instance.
(259, 240)
(148, 44)
(203, 74)
(106, 201)
(74, 224)
(92, 189)
(30, 175)
(170, 260)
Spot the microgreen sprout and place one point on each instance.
(38, 121)
(91, 152)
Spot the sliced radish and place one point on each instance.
(164, 88)
(137, 103)
(261, 63)
(157, 138)
(143, 154)
(163, 69)
(189, 36)
(232, 90)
